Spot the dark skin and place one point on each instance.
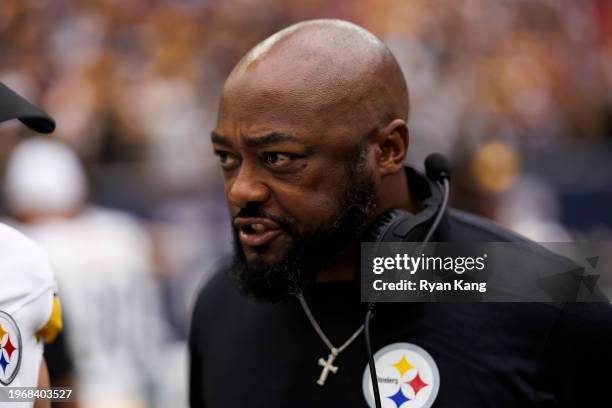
(291, 113)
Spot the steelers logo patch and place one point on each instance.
(10, 348)
(408, 377)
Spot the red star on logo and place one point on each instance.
(417, 384)
(9, 348)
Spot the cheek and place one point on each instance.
(314, 209)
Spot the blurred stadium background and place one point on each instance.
(130, 207)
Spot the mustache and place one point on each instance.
(257, 212)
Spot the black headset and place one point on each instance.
(403, 226)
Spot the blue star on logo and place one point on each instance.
(399, 398)
(3, 362)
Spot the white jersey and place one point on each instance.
(102, 260)
(29, 310)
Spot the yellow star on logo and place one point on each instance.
(403, 366)
(2, 333)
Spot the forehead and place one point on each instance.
(298, 98)
(253, 107)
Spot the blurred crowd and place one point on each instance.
(128, 198)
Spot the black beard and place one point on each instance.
(312, 252)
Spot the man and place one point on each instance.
(29, 309)
(311, 139)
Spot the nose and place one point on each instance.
(247, 188)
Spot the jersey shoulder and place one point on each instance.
(524, 265)
(28, 285)
(466, 227)
(25, 272)
(462, 224)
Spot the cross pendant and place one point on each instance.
(327, 367)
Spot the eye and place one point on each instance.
(275, 159)
(226, 159)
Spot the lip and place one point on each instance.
(268, 223)
(255, 240)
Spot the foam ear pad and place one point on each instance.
(382, 229)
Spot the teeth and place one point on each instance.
(258, 227)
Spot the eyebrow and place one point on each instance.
(260, 141)
(218, 138)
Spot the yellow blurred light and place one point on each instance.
(495, 166)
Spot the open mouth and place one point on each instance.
(253, 229)
(256, 232)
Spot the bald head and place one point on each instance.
(311, 138)
(333, 69)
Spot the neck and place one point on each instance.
(395, 193)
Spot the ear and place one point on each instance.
(392, 147)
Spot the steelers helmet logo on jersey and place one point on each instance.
(10, 348)
(408, 377)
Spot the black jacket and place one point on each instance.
(246, 353)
